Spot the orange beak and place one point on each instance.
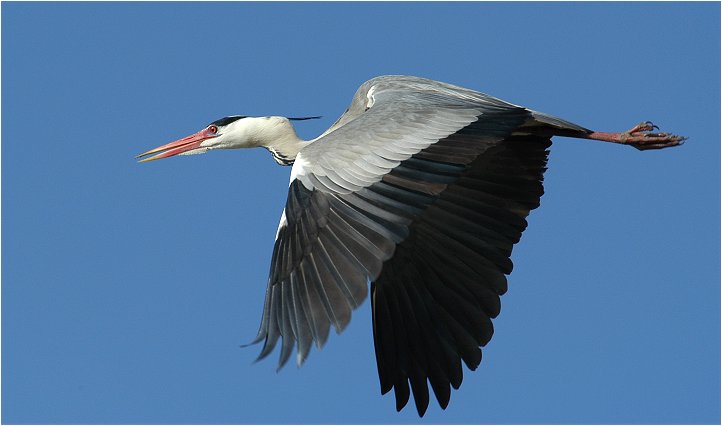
(177, 147)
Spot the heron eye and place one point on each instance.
(212, 130)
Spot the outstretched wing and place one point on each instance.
(421, 188)
(434, 300)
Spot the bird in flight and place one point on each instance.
(421, 188)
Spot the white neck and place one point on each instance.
(274, 133)
(285, 143)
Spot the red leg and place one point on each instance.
(640, 137)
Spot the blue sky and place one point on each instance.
(128, 288)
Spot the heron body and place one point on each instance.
(422, 189)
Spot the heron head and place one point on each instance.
(234, 131)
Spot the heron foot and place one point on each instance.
(641, 137)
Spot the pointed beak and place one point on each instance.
(177, 147)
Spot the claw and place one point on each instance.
(645, 126)
(651, 125)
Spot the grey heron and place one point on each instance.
(421, 188)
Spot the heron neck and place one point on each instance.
(285, 146)
(276, 134)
